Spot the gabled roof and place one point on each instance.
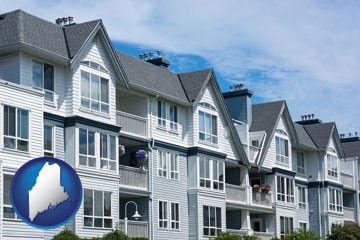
(304, 138)
(193, 82)
(321, 135)
(265, 117)
(352, 149)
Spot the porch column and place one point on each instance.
(245, 221)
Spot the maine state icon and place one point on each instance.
(46, 192)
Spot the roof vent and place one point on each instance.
(159, 61)
(141, 56)
(236, 87)
(307, 119)
(65, 21)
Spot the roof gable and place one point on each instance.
(304, 139)
(352, 149)
(193, 82)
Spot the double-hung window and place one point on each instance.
(43, 77)
(162, 114)
(218, 175)
(94, 92)
(163, 218)
(16, 128)
(300, 163)
(208, 127)
(332, 165)
(175, 216)
(8, 211)
(282, 150)
(211, 221)
(302, 197)
(211, 173)
(173, 118)
(108, 152)
(174, 166)
(167, 116)
(48, 140)
(286, 226)
(335, 200)
(162, 164)
(285, 189)
(87, 148)
(97, 209)
(205, 180)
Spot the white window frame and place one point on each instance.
(102, 217)
(175, 220)
(17, 138)
(87, 156)
(174, 166)
(108, 163)
(49, 94)
(208, 180)
(332, 164)
(7, 205)
(211, 230)
(302, 224)
(102, 104)
(47, 152)
(173, 118)
(218, 173)
(207, 135)
(285, 194)
(163, 218)
(302, 196)
(335, 200)
(282, 144)
(161, 113)
(286, 226)
(162, 163)
(300, 163)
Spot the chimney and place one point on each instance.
(308, 119)
(238, 102)
(70, 20)
(159, 61)
(343, 139)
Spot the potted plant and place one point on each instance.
(256, 187)
(141, 157)
(121, 150)
(265, 188)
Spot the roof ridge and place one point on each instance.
(277, 101)
(201, 70)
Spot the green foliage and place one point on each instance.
(66, 235)
(113, 235)
(274, 238)
(301, 234)
(231, 236)
(349, 231)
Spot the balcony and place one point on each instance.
(262, 199)
(132, 124)
(236, 193)
(349, 214)
(347, 180)
(135, 228)
(131, 177)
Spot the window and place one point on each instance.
(162, 164)
(332, 165)
(163, 220)
(286, 226)
(335, 200)
(48, 141)
(218, 175)
(211, 220)
(282, 150)
(94, 65)
(302, 225)
(300, 163)
(175, 217)
(207, 105)
(302, 197)
(255, 143)
(162, 114)
(174, 166)
(94, 92)
(16, 128)
(285, 189)
(8, 211)
(211, 174)
(208, 127)
(173, 118)
(108, 152)
(97, 209)
(87, 148)
(43, 77)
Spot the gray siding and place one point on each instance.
(240, 108)
(314, 221)
(10, 68)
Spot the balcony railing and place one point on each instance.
(135, 228)
(236, 193)
(347, 180)
(264, 235)
(132, 124)
(260, 198)
(253, 153)
(133, 177)
(349, 213)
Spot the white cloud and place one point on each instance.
(306, 52)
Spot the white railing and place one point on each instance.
(349, 213)
(260, 198)
(236, 193)
(132, 123)
(347, 180)
(133, 177)
(264, 235)
(135, 228)
(253, 153)
(237, 231)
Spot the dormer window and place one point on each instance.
(208, 129)
(332, 165)
(282, 146)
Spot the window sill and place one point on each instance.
(169, 130)
(97, 228)
(12, 220)
(100, 114)
(49, 104)
(282, 164)
(12, 151)
(215, 145)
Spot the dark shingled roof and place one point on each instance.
(352, 149)
(304, 138)
(320, 133)
(19, 27)
(191, 82)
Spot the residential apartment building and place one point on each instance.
(169, 145)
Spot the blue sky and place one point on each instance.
(306, 52)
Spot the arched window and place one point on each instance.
(280, 131)
(94, 65)
(207, 105)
